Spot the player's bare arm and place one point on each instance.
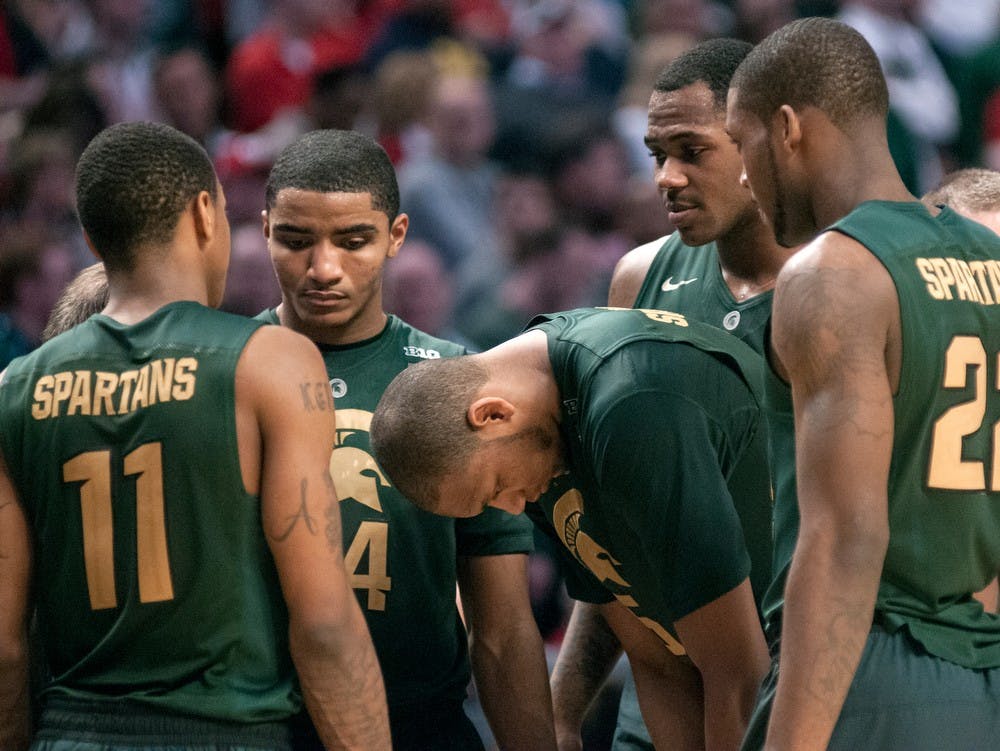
(835, 334)
(668, 686)
(508, 658)
(725, 642)
(282, 388)
(15, 579)
(629, 274)
(588, 652)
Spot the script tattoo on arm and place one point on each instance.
(301, 514)
(316, 396)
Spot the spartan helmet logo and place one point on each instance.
(566, 516)
(354, 471)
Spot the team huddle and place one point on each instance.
(770, 464)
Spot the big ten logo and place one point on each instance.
(567, 515)
(426, 354)
(357, 476)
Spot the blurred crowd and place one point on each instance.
(516, 126)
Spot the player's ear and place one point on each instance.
(265, 227)
(791, 127)
(203, 211)
(489, 411)
(397, 234)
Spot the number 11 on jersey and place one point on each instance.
(93, 470)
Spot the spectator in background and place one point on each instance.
(401, 93)
(420, 24)
(755, 19)
(568, 60)
(70, 103)
(340, 98)
(34, 268)
(275, 68)
(188, 92)
(916, 79)
(417, 288)
(250, 284)
(449, 194)
(121, 59)
(699, 19)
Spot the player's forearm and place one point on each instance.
(729, 702)
(15, 727)
(512, 683)
(589, 651)
(342, 683)
(829, 602)
(670, 697)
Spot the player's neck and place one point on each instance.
(135, 295)
(522, 364)
(750, 259)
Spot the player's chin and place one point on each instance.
(696, 234)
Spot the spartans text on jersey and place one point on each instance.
(87, 392)
(951, 278)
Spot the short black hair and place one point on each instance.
(817, 62)
(336, 161)
(419, 431)
(133, 182)
(711, 62)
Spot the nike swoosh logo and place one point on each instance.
(670, 285)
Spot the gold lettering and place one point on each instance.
(140, 397)
(978, 268)
(993, 269)
(62, 390)
(965, 285)
(104, 391)
(944, 276)
(42, 407)
(934, 288)
(664, 316)
(79, 401)
(161, 379)
(672, 644)
(184, 380)
(125, 382)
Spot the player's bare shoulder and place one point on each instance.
(833, 300)
(278, 358)
(630, 272)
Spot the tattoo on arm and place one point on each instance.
(316, 396)
(831, 341)
(302, 513)
(837, 660)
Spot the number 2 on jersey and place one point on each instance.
(948, 470)
(93, 470)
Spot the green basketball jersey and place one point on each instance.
(656, 411)
(401, 560)
(153, 579)
(944, 476)
(688, 280)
